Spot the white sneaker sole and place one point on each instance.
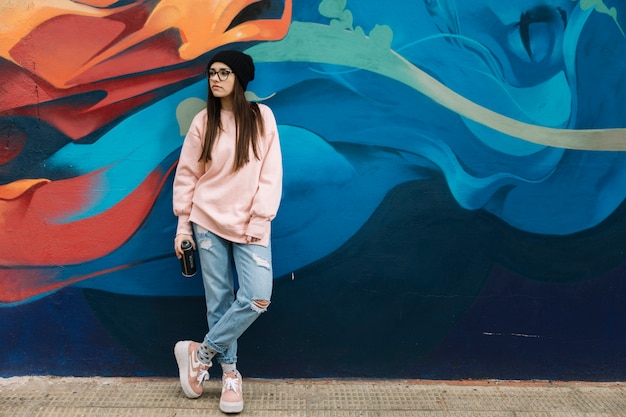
(231, 408)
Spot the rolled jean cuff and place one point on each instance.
(219, 357)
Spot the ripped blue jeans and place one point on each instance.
(228, 315)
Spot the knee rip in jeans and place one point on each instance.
(260, 306)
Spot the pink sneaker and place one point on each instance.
(231, 400)
(192, 372)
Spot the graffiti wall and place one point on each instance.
(454, 185)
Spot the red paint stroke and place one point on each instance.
(19, 284)
(33, 218)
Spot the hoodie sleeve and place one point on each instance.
(267, 199)
(188, 171)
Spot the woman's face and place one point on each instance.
(222, 82)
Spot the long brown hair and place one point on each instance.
(248, 121)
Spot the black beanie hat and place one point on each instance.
(240, 63)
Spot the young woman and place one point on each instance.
(227, 189)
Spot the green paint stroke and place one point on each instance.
(339, 44)
(600, 7)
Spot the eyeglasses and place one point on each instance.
(222, 74)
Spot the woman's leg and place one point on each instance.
(215, 255)
(254, 270)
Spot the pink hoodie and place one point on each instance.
(229, 204)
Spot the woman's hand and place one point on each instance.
(178, 241)
(252, 239)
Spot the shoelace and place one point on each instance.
(231, 384)
(203, 375)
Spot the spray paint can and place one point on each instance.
(188, 261)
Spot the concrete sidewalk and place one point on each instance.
(137, 397)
